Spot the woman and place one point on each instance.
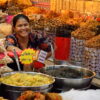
(22, 38)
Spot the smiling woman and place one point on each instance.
(19, 40)
(22, 37)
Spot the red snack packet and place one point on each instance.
(19, 53)
(1, 65)
(2, 55)
(10, 54)
(38, 65)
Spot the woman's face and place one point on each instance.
(22, 27)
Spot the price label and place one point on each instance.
(42, 56)
(27, 56)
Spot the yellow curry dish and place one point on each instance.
(25, 79)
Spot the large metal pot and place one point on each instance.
(68, 83)
(12, 92)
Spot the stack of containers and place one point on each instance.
(92, 54)
(62, 42)
(4, 60)
(78, 38)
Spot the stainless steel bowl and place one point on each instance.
(12, 92)
(67, 83)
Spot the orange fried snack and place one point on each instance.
(52, 96)
(39, 96)
(30, 95)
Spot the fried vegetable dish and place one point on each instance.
(24, 79)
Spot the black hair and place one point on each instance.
(17, 17)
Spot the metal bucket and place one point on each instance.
(12, 92)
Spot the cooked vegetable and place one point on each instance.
(23, 79)
(66, 73)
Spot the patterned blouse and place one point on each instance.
(35, 42)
